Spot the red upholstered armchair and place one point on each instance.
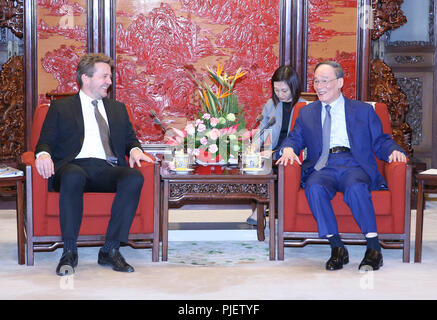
(42, 224)
(297, 226)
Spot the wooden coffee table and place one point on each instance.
(423, 179)
(216, 184)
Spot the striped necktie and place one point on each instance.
(104, 133)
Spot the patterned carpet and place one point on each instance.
(213, 253)
(225, 269)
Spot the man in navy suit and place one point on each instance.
(347, 165)
(82, 148)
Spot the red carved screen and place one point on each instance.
(156, 41)
(332, 35)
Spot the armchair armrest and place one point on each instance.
(396, 177)
(38, 182)
(147, 168)
(28, 158)
(292, 174)
(149, 155)
(38, 189)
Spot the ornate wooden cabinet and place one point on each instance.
(406, 46)
(154, 44)
(12, 112)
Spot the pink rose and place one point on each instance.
(204, 141)
(201, 127)
(213, 121)
(206, 116)
(214, 134)
(213, 148)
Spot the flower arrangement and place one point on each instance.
(218, 132)
(219, 100)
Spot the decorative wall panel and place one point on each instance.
(332, 35)
(158, 41)
(62, 39)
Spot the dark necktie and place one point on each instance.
(326, 134)
(104, 133)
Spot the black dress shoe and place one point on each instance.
(114, 259)
(372, 260)
(339, 257)
(67, 263)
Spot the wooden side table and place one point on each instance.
(423, 178)
(216, 183)
(18, 183)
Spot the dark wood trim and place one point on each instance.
(101, 29)
(293, 36)
(93, 25)
(394, 49)
(285, 25)
(403, 68)
(52, 96)
(30, 72)
(363, 51)
(407, 220)
(300, 40)
(108, 27)
(309, 96)
(108, 36)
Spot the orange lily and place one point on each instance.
(205, 98)
(224, 95)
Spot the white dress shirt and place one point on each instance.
(92, 146)
(339, 137)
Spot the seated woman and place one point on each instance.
(286, 90)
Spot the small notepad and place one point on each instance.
(8, 172)
(429, 171)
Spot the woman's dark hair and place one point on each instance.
(289, 75)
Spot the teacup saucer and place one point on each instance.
(252, 169)
(182, 170)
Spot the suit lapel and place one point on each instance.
(77, 112)
(349, 111)
(317, 123)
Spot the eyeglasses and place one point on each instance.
(323, 82)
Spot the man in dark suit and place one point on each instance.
(341, 136)
(82, 148)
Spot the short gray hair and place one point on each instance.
(339, 72)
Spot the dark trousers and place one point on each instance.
(342, 174)
(96, 175)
